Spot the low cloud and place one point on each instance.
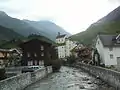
(114, 1)
(73, 15)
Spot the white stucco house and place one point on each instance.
(108, 47)
(60, 40)
(64, 45)
(69, 46)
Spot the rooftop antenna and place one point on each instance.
(58, 33)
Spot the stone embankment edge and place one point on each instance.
(21, 81)
(110, 76)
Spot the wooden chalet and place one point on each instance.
(37, 52)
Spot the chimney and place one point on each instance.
(58, 33)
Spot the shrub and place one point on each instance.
(56, 65)
(71, 60)
(2, 74)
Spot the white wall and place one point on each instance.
(65, 50)
(69, 46)
(61, 40)
(100, 49)
(61, 51)
(105, 53)
(115, 52)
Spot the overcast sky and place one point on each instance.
(73, 15)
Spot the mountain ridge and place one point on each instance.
(43, 25)
(110, 24)
(24, 28)
(7, 34)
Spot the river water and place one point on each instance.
(70, 79)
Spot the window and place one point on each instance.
(98, 42)
(111, 56)
(30, 63)
(118, 60)
(41, 62)
(28, 54)
(42, 54)
(35, 62)
(35, 54)
(42, 47)
(110, 48)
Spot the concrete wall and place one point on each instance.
(21, 81)
(109, 76)
(16, 82)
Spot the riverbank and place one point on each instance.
(23, 80)
(109, 76)
(70, 78)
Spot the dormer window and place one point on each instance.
(111, 48)
(42, 47)
(98, 42)
(118, 39)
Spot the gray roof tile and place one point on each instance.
(60, 36)
(108, 40)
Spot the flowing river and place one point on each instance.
(70, 79)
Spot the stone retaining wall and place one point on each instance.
(21, 81)
(109, 76)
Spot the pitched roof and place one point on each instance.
(9, 50)
(39, 38)
(32, 40)
(60, 36)
(109, 40)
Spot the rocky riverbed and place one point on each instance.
(70, 79)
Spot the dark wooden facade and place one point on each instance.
(36, 51)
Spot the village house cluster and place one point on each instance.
(64, 46)
(28, 53)
(105, 51)
(68, 48)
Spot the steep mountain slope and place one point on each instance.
(48, 28)
(25, 28)
(108, 24)
(15, 42)
(13, 31)
(16, 24)
(8, 34)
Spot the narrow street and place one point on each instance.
(70, 79)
